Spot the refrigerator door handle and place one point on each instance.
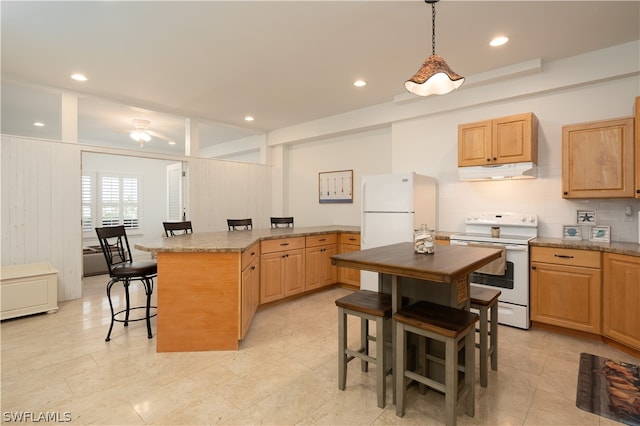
(363, 237)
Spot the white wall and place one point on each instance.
(365, 153)
(423, 138)
(41, 199)
(429, 145)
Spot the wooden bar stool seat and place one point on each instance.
(485, 300)
(368, 306)
(456, 329)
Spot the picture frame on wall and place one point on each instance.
(335, 187)
(600, 234)
(586, 217)
(571, 232)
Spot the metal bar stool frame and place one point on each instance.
(122, 269)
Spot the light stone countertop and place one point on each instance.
(234, 241)
(631, 249)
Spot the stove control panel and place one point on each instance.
(502, 218)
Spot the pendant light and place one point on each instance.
(434, 77)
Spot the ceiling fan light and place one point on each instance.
(434, 78)
(140, 135)
(136, 135)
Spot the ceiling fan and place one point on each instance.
(142, 134)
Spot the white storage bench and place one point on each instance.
(28, 289)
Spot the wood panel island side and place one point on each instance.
(209, 283)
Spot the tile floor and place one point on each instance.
(284, 373)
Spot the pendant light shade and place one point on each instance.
(434, 77)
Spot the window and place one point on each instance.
(115, 200)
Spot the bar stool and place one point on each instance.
(368, 306)
(484, 300)
(455, 328)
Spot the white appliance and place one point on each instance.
(516, 230)
(393, 206)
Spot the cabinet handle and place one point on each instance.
(354, 239)
(284, 244)
(488, 159)
(533, 267)
(253, 267)
(565, 193)
(322, 239)
(495, 158)
(637, 191)
(563, 256)
(253, 253)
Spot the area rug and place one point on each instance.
(609, 388)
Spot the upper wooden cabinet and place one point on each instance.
(597, 159)
(637, 147)
(505, 140)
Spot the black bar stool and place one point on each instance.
(122, 269)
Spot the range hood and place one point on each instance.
(497, 172)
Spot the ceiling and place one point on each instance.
(283, 62)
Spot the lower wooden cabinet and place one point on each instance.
(282, 269)
(250, 298)
(566, 288)
(348, 243)
(319, 270)
(621, 299)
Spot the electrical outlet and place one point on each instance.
(628, 214)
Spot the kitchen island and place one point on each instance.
(204, 300)
(442, 277)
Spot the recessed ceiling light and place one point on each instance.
(359, 83)
(38, 124)
(79, 77)
(172, 143)
(248, 118)
(499, 41)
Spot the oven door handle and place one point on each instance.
(509, 247)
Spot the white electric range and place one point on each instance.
(515, 232)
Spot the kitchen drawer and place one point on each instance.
(569, 257)
(321, 240)
(350, 239)
(281, 244)
(250, 254)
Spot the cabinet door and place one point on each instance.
(515, 139)
(314, 267)
(621, 301)
(349, 275)
(293, 272)
(271, 277)
(331, 272)
(250, 294)
(474, 144)
(637, 146)
(566, 296)
(597, 159)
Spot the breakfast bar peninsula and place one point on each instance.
(210, 284)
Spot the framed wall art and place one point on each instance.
(586, 217)
(571, 232)
(600, 234)
(335, 187)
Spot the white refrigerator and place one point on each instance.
(392, 207)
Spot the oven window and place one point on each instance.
(501, 281)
